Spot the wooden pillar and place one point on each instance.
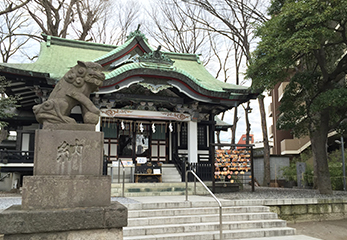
(174, 142)
(212, 129)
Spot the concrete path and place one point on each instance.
(325, 230)
(295, 237)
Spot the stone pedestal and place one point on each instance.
(64, 223)
(67, 152)
(67, 198)
(47, 192)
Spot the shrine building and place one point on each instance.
(155, 105)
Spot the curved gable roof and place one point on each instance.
(135, 39)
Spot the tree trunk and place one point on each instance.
(267, 176)
(218, 136)
(3, 135)
(248, 125)
(318, 137)
(233, 129)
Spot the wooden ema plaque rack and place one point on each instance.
(233, 167)
(229, 164)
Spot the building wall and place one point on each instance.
(278, 135)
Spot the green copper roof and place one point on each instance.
(200, 75)
(58, 55)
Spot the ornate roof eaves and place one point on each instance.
(6, 67)
(169, 76)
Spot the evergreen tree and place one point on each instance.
(305, 42)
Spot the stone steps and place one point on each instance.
(196, 211)
(169, 174)
(155, 189)
(200, 220)
(230, 234)
(206, 226)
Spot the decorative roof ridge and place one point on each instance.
(156, 57)
(114, 51)
(53, 40)
(184, 56)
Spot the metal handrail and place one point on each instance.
(215, 198)
(123, 185)
(5, 176)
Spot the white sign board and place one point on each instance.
(114, 163)
(141, 160)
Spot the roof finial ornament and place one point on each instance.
(156, 57)
(137, 33)
(157, 53)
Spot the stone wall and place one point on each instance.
(313, 210)
(276, 163)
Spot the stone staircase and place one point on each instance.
(200, 220)
(169, 174)
(155, 189)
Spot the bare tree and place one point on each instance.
(235, 19)
(89, 12)
(12, 39)
(238, 56)
(173, 27)
(174, 30)
(114, 26)
(56, 18)
(11, 6)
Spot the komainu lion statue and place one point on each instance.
(73, 89)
